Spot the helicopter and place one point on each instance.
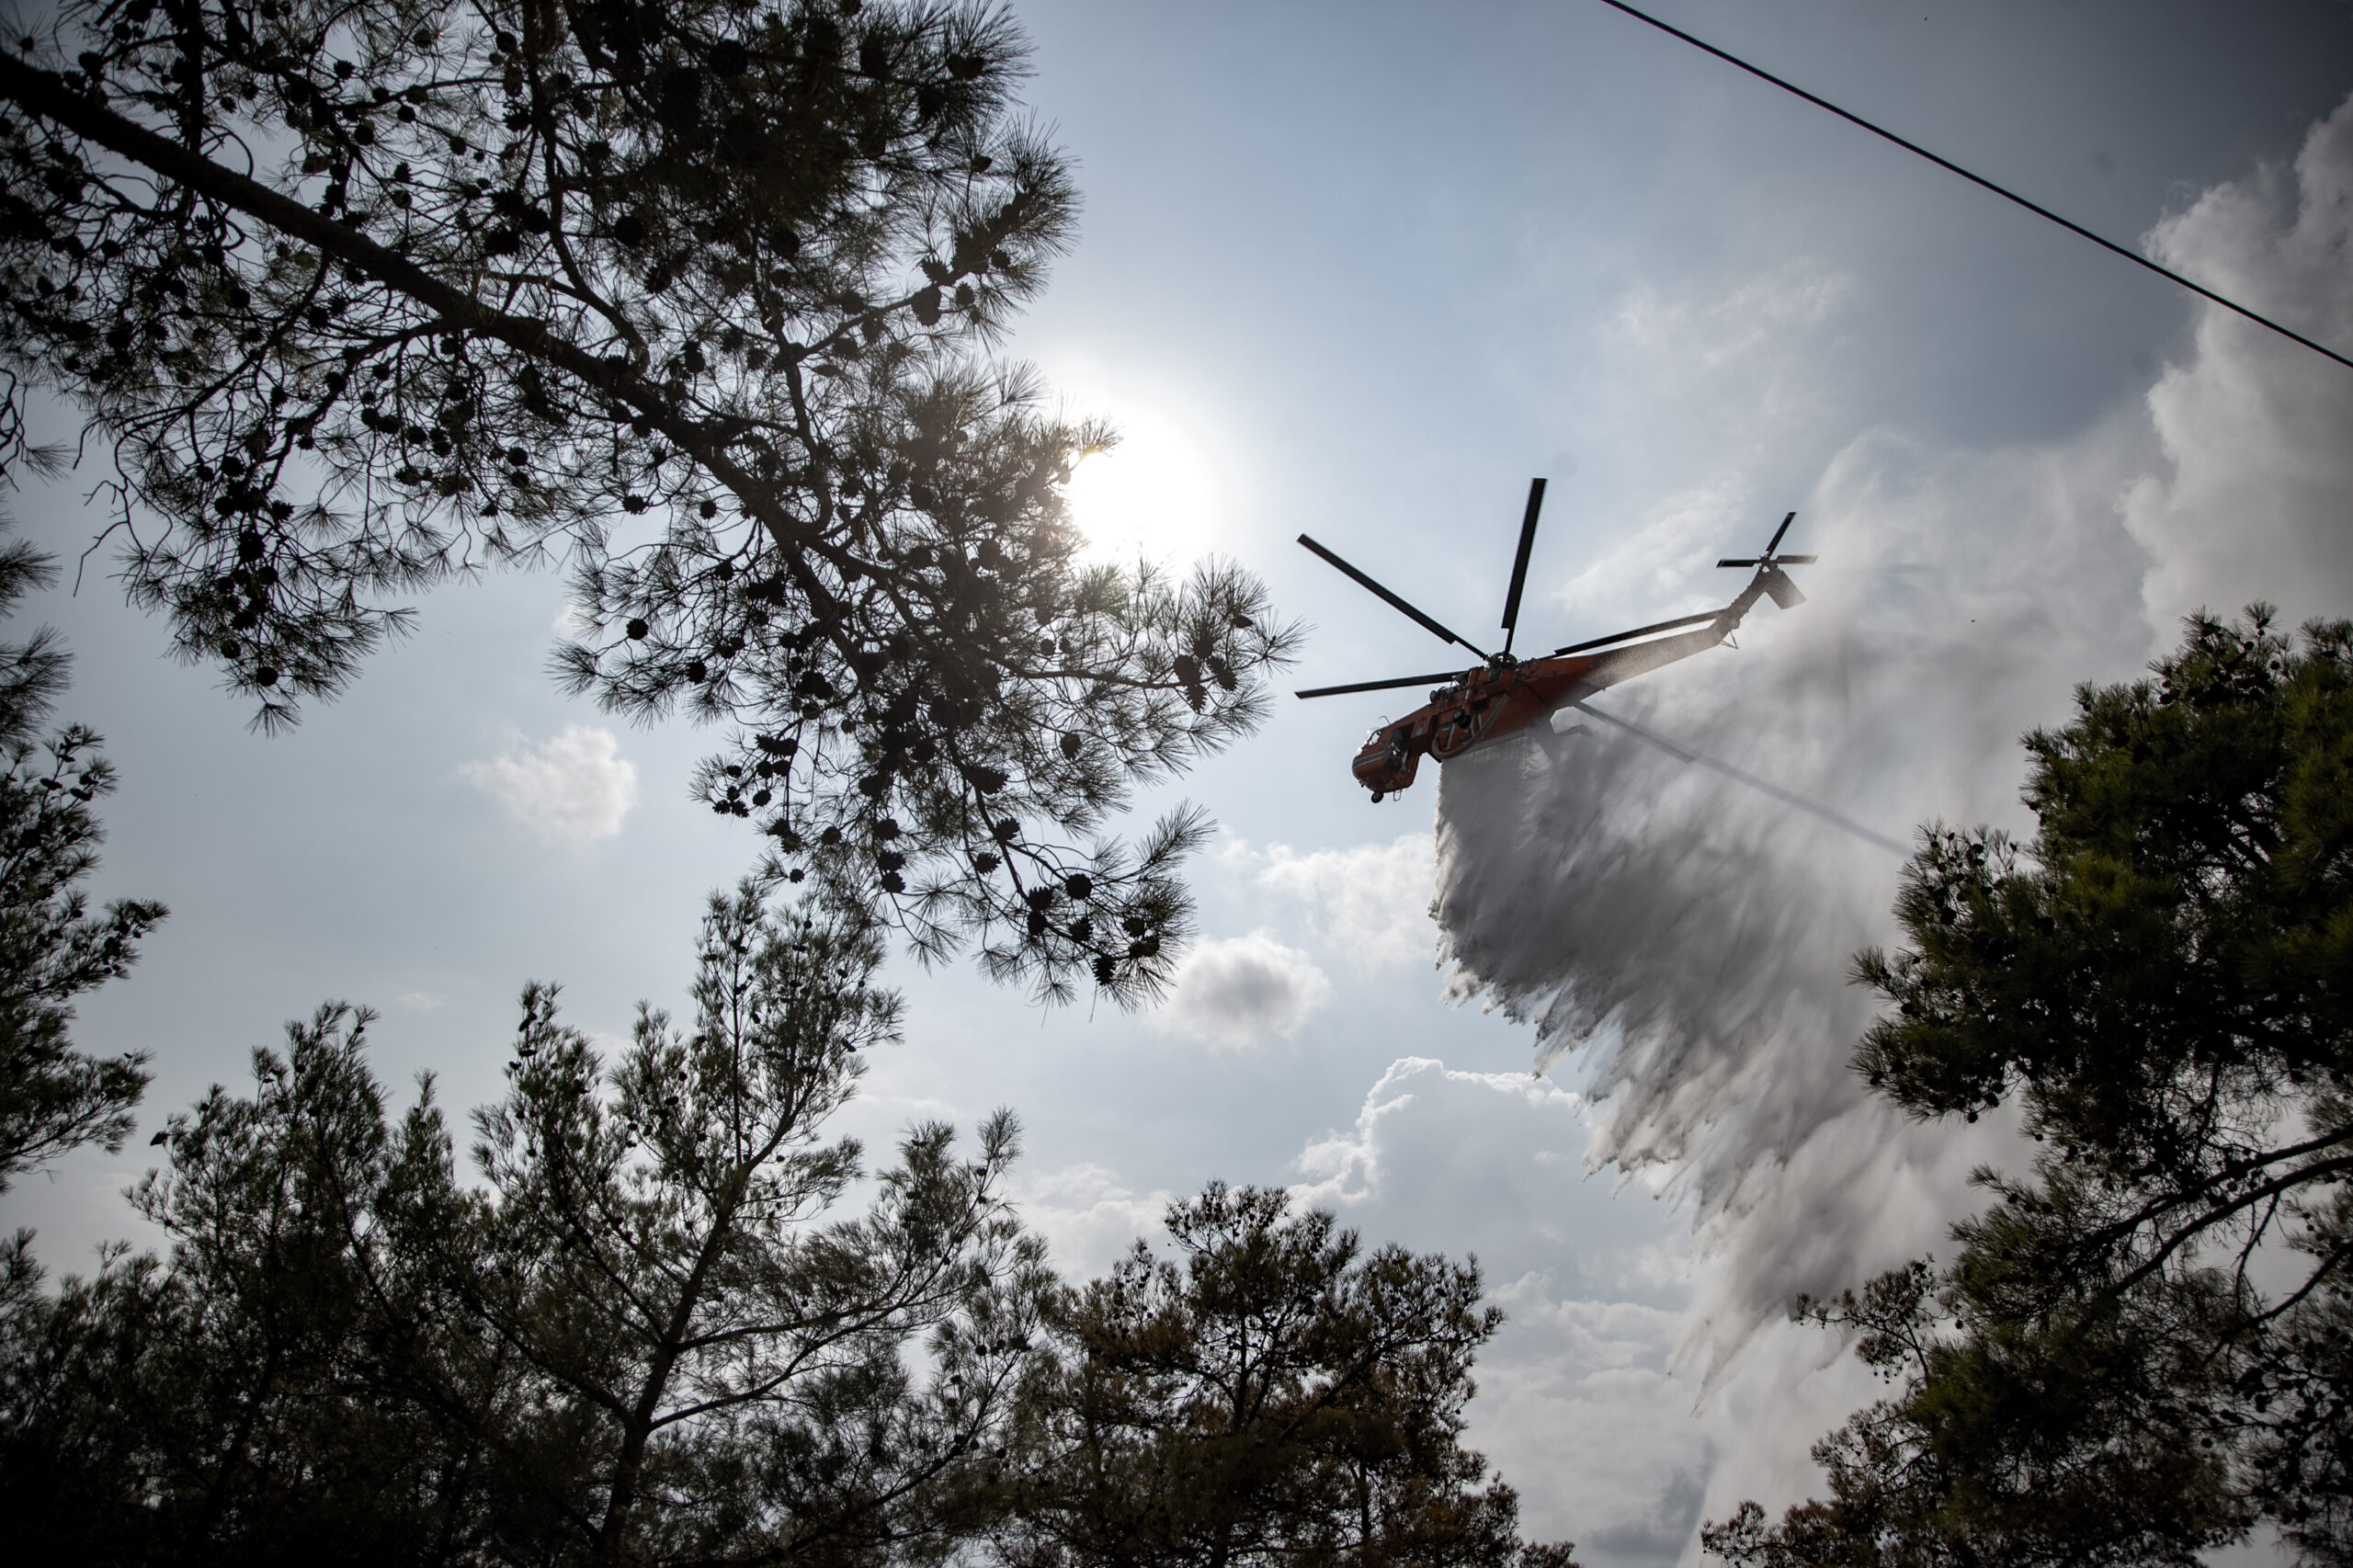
(1503, 696)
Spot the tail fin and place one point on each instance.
(1784, 592)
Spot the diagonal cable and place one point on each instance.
(2131, 256)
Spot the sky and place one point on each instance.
(1362, 270)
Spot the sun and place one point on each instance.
(1154, 495)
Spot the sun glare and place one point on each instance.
(1153, 494)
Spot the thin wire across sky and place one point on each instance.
(2135, 257)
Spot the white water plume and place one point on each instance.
(1699, 931)
(1696, 933)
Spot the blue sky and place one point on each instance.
(1362, 270)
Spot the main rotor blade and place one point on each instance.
(1780, 531)
(1394, 602)
(1770, 561)
(1638, 632)
(1446, 678)
(1520, 562)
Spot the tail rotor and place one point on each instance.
(1776, 582)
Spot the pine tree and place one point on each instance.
(644, 1339)
(695, 298)
(251, 1397)
(1275, 1395)
(53, 948)
(736, 1377)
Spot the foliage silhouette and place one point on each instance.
(644, 1339)
(53, 947)
(641, 1342)
(694, 298)
(1275, 1396)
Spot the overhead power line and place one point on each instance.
(2131, 256)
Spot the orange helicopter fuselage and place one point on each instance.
(1486, 704)
(1507, 697)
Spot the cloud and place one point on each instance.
(2258, 431)
(1657, 1535)
(1369, 903)
(1088, 1216)
(1465, 1162)
(1242, 992)
(1573, 1390)
(1348, 1167)
(569, 791)
(1735, 331)
(1568, 1407)
(1661, 562)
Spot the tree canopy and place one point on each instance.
(675, 1322)
(52, 946)
(695, 298)
(2142, 1349)
(1273, 1395)
(644, 1339)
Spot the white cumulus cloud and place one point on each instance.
(1347, 1166)
(2258, 430)
(570, 790)
(1470, 1163)
(1088, 1215)
(1370, 903)
(1568, 1395)
(1242, 992)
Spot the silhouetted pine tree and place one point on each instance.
(1273, 1395)
(643, 1341)
(53, 947)
(692, 296)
